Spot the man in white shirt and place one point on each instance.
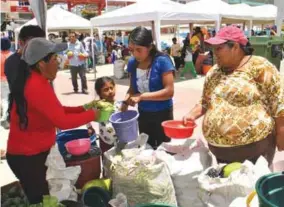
(176, 53)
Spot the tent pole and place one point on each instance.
(190, 26)
(16, 40)
(93, 52)
(250, 28)
(156, 30)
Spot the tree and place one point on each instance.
(89, 11)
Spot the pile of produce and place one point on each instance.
(15, 197)
(225, 171)
(48, 201)
(103, 105)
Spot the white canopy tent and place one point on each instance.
(150, 13)
(222, 11)
(60, 19)
(264, 13)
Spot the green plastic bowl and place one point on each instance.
(104, 116)
(154, 205)
(270, 190)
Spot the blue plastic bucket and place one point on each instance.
(125, 125)
(66, 136)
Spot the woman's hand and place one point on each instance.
(134, 99)
(124, 106)
(188, 118)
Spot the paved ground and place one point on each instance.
(187, 93)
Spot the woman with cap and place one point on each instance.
(151, 85)
(35, 112)
(242, 102)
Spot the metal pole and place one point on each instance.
(106, 6)
(93, 52)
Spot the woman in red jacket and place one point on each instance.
(35, 113)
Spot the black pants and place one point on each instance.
(31, 172)
(194, 57)
(75, 70)
(150, 124)
(177, 62)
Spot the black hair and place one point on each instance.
(247, 49)
(143, 37)
(174, 39)
(31, 31)
(17, 91)
(197, 31)
(22, 73)
(74, 33)
(100, 82)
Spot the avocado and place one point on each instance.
(228, 169)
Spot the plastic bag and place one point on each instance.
(221, 192)
(61, 179)
(140, 142)
(140, 175)
(119, 201)
(189, 160)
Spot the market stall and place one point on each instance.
(162, 12)
(58, 19)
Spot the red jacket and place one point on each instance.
(45, 113)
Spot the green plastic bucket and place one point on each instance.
(104, 116)
(270, 190)
(154, 205)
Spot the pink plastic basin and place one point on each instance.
(78, 147)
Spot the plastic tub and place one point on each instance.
(78, 147)
(270, 190)
(177, 130)
(65, 136)
(96, 197)
(125, 125)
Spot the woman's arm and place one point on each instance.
(73, 109)
(166, 93)
(50, 107)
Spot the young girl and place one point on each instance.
(105, 88)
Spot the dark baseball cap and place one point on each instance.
(38, 48)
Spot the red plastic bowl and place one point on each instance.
(177, 130)
(78, 147)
